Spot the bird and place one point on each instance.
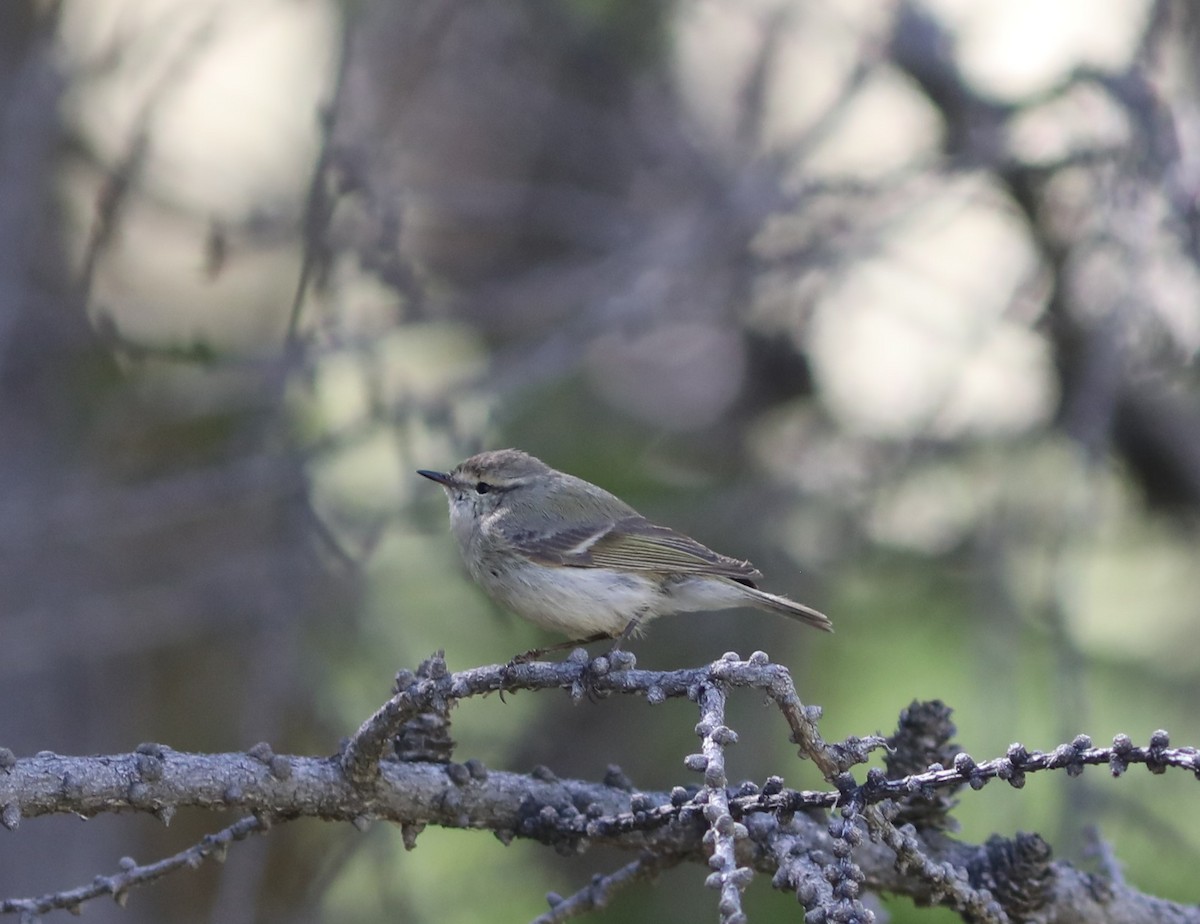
(572, 558)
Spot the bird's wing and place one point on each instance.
(630, 544)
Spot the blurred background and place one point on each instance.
(899, 301)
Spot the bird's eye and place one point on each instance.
(482, 488)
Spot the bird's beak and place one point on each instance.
(442, 478)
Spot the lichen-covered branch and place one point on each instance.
(436, 690)
(886, 833)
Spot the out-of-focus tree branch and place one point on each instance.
(1143, 200)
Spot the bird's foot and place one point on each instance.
(524, 657)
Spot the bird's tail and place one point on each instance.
(776, 604)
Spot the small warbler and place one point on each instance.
(573, 558)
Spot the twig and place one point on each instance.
(318, 205)
(1097, 846)
(723, 832)
(599, 892)
(213, 846)
(1012, 768)
(776, 682)
(948, 885)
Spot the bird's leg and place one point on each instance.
(534, 653)
(626, 634)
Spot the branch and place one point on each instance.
(738, 830)
(433, 689)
